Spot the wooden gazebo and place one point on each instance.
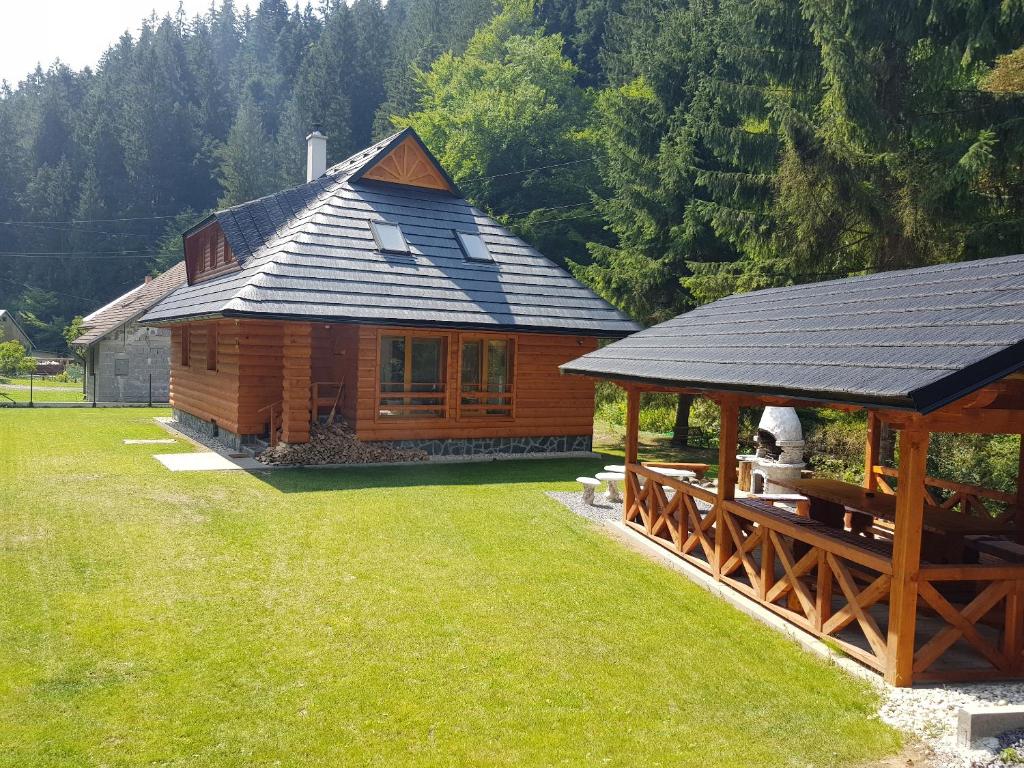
(934, 589)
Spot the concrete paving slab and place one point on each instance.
(195, 462)
(167, 441)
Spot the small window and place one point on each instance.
(486, 378)
(120, 366)
(207, 261)
(211, 348)
(412, 377)
(186, 346)
(473, 247)
(389, 237)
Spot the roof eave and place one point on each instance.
(395, 323)
(815, 396)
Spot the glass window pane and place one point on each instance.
(497, 366)
(392, 363)
(389, 237)
(472, 364)
(426, 365)
(474, 247)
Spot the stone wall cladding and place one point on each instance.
(203, 427)
(484, 446)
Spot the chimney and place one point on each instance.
(316, 154)
(149, 279)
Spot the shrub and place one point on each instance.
(14, 361)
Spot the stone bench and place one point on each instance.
(589, 486)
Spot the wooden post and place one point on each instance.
(906, 556)
(632, 440)
(1019, 519)
(295, 390)
(872, 451)
(727, 439)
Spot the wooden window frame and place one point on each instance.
(444, 395)
(463, 412)
(211, 348)
(185, 353)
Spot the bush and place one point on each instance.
(14, 361)
(71, 374)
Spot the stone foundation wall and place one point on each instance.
(204, 427)
(484, 446)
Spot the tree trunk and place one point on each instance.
(681, 430)
(887, 446)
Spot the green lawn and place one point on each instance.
(441, 616)
(43, 390)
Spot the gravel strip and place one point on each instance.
(599, 511)
(929, 713)
(203, 439)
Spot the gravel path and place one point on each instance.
(929, 713)
(203, 439)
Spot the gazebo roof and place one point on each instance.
(914, 339)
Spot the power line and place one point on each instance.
(84, 255)
(92, 221)
(527, 170)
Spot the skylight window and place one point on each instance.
(474, 247)
(389, 237)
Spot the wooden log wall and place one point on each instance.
(247, 376)
(335, 357)
(210, 395)
(546, 403)
(296, 366)
(259, 383)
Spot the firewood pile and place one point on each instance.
(336, 444)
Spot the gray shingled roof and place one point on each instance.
(308, 253)
(917, 338)
(129, 306)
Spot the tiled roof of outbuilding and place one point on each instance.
(308, 253)
(129, 306)
(916, 338)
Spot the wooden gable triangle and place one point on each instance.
(409, 163)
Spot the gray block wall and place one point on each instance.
(123, 362)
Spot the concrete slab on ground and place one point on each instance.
(158, 441)
(207, 461)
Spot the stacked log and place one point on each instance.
(336, 444)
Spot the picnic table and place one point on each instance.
(883, 506)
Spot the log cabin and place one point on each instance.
(376, 291)
(932, 588)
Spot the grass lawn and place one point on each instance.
(43, 390)
(437, 616)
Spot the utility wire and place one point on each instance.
(527, 170)
(91, 221)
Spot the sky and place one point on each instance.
(76, 31)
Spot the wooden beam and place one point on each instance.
(296, 374)
(906, 557)
(872, 450)
(1019, 517)
(632, 441)
(727, 438)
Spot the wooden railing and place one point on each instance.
(276, 412)
(980, 605)
(824, 581)
(479, 403)
(834, 584)
(683, 524)
(962, 497)
(413, 403)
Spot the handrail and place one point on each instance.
(950, 485)
(276, 410)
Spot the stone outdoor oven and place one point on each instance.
(780, 450)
